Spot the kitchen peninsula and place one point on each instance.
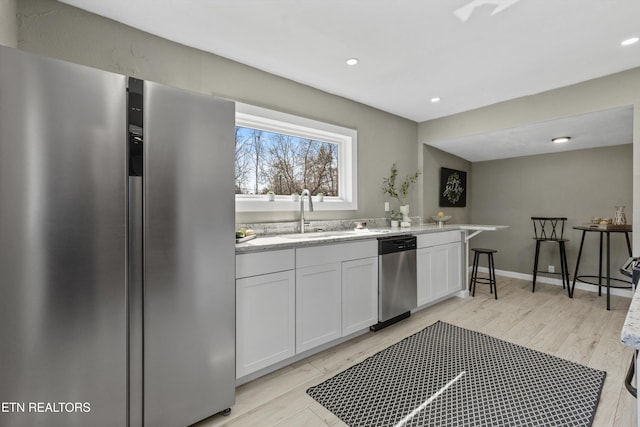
(281, 241)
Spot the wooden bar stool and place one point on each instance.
(491, 280)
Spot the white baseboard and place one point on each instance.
(462, 294)
(627, 293)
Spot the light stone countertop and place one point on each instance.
(631, 330)
(286, 241)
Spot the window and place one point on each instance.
(284, 154)
(284, 164)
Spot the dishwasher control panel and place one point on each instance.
(388, 245)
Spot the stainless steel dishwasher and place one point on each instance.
(397, 283)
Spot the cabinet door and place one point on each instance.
(454, 264)
(423, 274)
(359, 294)
(438, 272)
(265, 321)
(318, 305)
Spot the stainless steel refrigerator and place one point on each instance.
(117, 296)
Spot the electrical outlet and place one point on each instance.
(386, 206)
(552, 269)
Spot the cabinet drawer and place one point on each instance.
(335, 252)
(440, 238)
(254, 264)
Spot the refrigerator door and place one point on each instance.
(189, 256)
(62, 251)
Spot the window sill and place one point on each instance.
(287, 205)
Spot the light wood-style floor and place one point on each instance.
(578, 329)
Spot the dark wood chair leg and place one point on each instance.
(492, 276)
(535, 265)
(565, 269)
(575, 274)
(474, 274)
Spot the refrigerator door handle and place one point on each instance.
(134, 303)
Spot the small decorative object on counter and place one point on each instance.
(271, 196)
(440, 218)
(400, 194)
(295, 197)
(320, 197)
(406, 221)
(395, 218)
(243, 234)
(360, 225)
(620, 217)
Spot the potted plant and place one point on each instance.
(295, 197)
(320, 197)
(401, 193)
(396, 217)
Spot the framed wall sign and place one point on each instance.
(453, 188)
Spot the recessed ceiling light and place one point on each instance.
(352, 61)
(632, 40)
(561, 139)
(434, 100)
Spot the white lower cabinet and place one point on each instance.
(439, 271)
(359, 294)
(318, 305)
(265, 320)
(293, 300)
(265, 309)
(336, 291)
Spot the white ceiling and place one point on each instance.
(470, 53)
(598, 129)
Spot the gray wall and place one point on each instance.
(432, 160)
(611, 91)
(60, 31)
(8, 23)
(576, 184)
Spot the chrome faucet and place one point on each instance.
(308, 194)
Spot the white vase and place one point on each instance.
(271, 197)
(404, 210)
(395, 223)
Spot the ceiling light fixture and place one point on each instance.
(630, 41)
(561, 139)
(434, 100)
(352, 61)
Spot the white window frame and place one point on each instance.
(267, 120)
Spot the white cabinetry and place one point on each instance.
(336, 291)
(291, 301)
(359, 294)
(265, 309)
(318, 313)
(439, 261)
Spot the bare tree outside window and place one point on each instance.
(242, 162)
(284, 164)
